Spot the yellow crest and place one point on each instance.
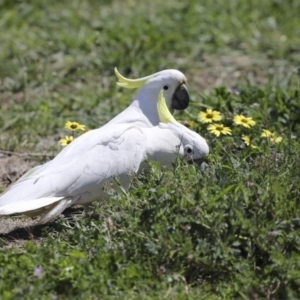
(130, 83)
(163, 112)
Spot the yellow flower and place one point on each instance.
(209, 116)
(188, 123)
(266, 133)
(246, 139)
(244, 121)
(271, 136)
(66, 141)
(247, 142)
(217, 129)
(84, 131)
(277, 139)
(74, 126)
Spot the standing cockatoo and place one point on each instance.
(142, 111)
(78, 173)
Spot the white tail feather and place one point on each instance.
(56, 210)
(27, 206)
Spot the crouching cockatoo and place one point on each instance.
(142, 111)
(78, 173)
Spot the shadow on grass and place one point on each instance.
(33, 232)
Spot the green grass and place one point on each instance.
(231, 232)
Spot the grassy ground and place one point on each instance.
(230, 232)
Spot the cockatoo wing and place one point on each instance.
(79, 171)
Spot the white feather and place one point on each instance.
(28, 206)
(56, 210)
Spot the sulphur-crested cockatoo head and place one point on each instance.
(192, 146)
(171, 82)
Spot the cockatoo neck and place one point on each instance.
(142, 111)
(146, 102)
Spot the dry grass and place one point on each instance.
(12, 168)
(230, 71)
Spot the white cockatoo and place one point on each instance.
(77, 175)
(142, 111)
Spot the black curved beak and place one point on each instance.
(181, 98)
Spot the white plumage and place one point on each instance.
(78, 173)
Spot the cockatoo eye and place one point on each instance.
(188, 149)
(166, 87)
